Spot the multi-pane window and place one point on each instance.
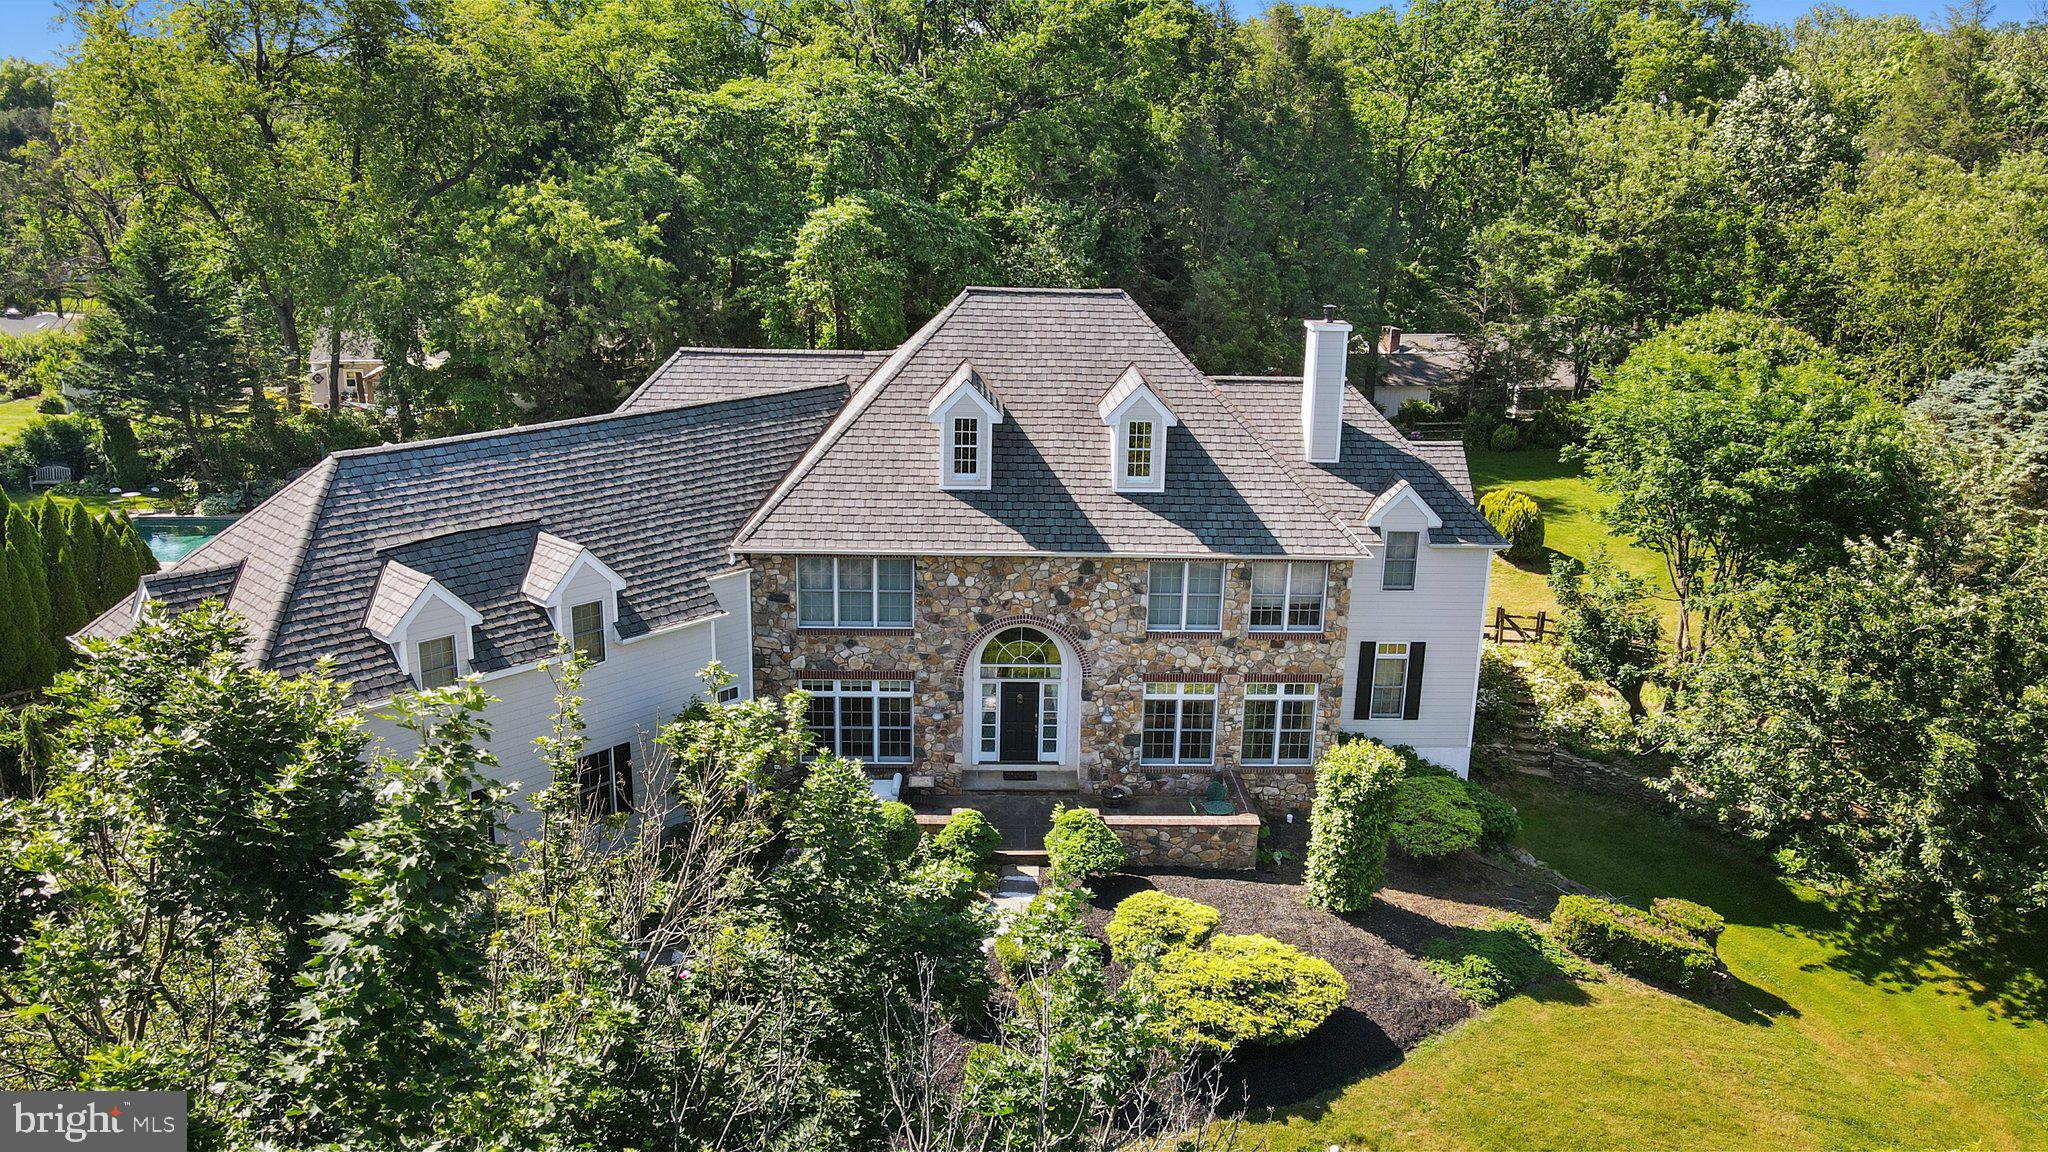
(966, 447)
(1389, 681)
(586, 629)
(1279, 723)
(1397, 571)
(437, 662)
(1138, 450)
(1288, 597)
(1184, 596)
(867, 720)
(853, 591)
(1180, 724)
(604, 780)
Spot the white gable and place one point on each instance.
(1401, 494)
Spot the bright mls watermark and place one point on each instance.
(116, 1121)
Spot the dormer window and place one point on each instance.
(1138, 420)
(1138, 452)
(586, 630)
(965, 411)
(966, 449)
(437, 662)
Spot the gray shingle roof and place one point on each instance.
(552, 559)
(701, 375)
(398, 588)
(186, 589)
(870, 484)
(1372, 456)
(656, 495)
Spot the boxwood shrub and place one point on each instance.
(1348, 825)
(968, 839)
(1151, 923)
(1245, 990)
(1697, 919)
(900, 832)
(1499, 823)
(1487, 965)
(1635, 941)
(1516, 516)
(1081, 846)
(1434, 817)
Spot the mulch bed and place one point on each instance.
(1394, 1002)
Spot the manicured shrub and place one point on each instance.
(1505, 438)
(1080, 845)
(1417, 411)
(1434, 818)
(1517, 517)
(1348, 825)
(1688, 916)
(1499, 823)
(1151, 923)
(969, 840)
(1246, 990)
(900, 832)
(1487, 965)
(1635, 941)
(1557, 424)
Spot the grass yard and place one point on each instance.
(15, 415)
(1571, 526)
(1844, 1031)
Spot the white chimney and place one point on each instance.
(1322, 386)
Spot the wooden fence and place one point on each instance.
(1508, 628)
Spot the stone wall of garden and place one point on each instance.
(1224, 842)
(1099, 604)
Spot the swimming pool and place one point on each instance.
(172, 538)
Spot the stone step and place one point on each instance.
(1020, 778)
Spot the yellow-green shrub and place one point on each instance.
(1517, 517)
(1245, 990)
(1151, 923)
(1356, 783)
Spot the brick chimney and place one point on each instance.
(1322, 386)
(1390, 339)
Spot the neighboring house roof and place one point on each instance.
(1424, 360)
(700, 375)
(358, 348)
(34, 322)
(1236, 485)
(655, 495)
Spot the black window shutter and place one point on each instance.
(1361, 701)
(1411, 708)
(622, 763)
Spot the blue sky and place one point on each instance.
(25, 25)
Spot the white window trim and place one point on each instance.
(962, 397)
(1414, 562)
(1279, 692)
(1287, 600)
(1223, 577)
(555, 601)
(405, 646)
(874, 590)
(604, 626)
(1381, 650)
(1131, 401)
(1178, 692)
(875, 693)
(419, 676)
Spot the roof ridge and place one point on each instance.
(1023, 290)
(569, 422)
(862, 397)
(1286, 467)
(260, 651)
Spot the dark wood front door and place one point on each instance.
(1017, 739)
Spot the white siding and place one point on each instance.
(639, 687)
(734, 631)
(437, 618)
(1388, 398)
(1446, 611)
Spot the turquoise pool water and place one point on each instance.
(172, 538)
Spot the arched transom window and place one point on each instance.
(1020, 654)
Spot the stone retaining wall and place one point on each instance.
(1229, 843)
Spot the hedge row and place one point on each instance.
(1643, 943)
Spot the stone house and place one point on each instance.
(1033, 548)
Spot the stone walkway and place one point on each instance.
(1015, 888)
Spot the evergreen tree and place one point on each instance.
(25, 569)
(120, 567)
(14, 645)
(82, 538)
(67, 599)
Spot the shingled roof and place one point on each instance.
(656, 495)
(702, 375)
(1235, 484)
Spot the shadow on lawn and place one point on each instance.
(1908, 947)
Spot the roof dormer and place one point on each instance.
(1137, 420)
(579, 592)
(1400, 494)
(430, 630)
(966, 411)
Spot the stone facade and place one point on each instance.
(1222, 842)
(1098, 606)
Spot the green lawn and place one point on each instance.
(1845, 1032)
(1571, 526)
(14, 415)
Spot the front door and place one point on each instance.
(1017, 732)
